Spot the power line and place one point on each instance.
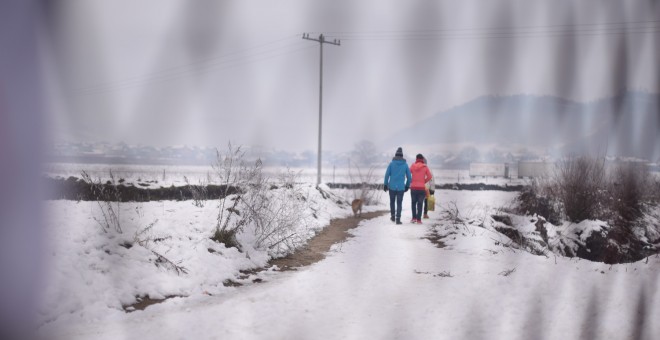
(507, 32)
(254, 53)
(490, 28)
(225, 61)
(518, 35)
(187, 69)
(170, 77)
(498, 31)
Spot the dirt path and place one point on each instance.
(320, 244)
(313, 252)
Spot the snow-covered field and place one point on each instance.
(387, 282)
(167, 175)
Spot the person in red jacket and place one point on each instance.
(420, 176)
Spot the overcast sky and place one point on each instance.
(165, 72)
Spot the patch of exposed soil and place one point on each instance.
(144, 302)
(437, 239)
(615, 246)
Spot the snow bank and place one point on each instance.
(390, 282)
(92, 274)
(594, 240)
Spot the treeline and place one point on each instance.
(80, 190)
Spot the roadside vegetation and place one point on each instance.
(274, 209)
(624, 196)
(365, 169)
(583, 188)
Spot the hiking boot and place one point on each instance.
(392, 218)
(426, 216)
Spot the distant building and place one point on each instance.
(489, 170)
(535, 169)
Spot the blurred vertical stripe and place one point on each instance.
(21, 138)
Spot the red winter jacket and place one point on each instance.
(420, 175)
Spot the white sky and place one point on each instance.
(203, 72)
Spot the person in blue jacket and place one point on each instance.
(397, 181)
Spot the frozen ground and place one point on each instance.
(387, 282)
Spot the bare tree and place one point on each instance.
(580, 183)
(362, 166)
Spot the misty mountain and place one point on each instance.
(624, 125)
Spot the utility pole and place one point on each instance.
(321, 40)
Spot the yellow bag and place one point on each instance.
(431, 203)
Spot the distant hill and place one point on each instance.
(625, 125)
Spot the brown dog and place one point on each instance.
(357, 206)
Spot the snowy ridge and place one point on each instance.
(587, 239)
(93, 274)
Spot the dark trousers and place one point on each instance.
(417, 197)
(398, 196)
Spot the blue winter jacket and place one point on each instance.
(397, 176)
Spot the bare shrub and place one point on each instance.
(227, 236)
(539, 198)
(451, 213)
(198, 192)
(277, 209)
(144, 239)
(629, 187)
(234, 173)
(654, 190)
(273, 208)
(108, 197)
(580, 187)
